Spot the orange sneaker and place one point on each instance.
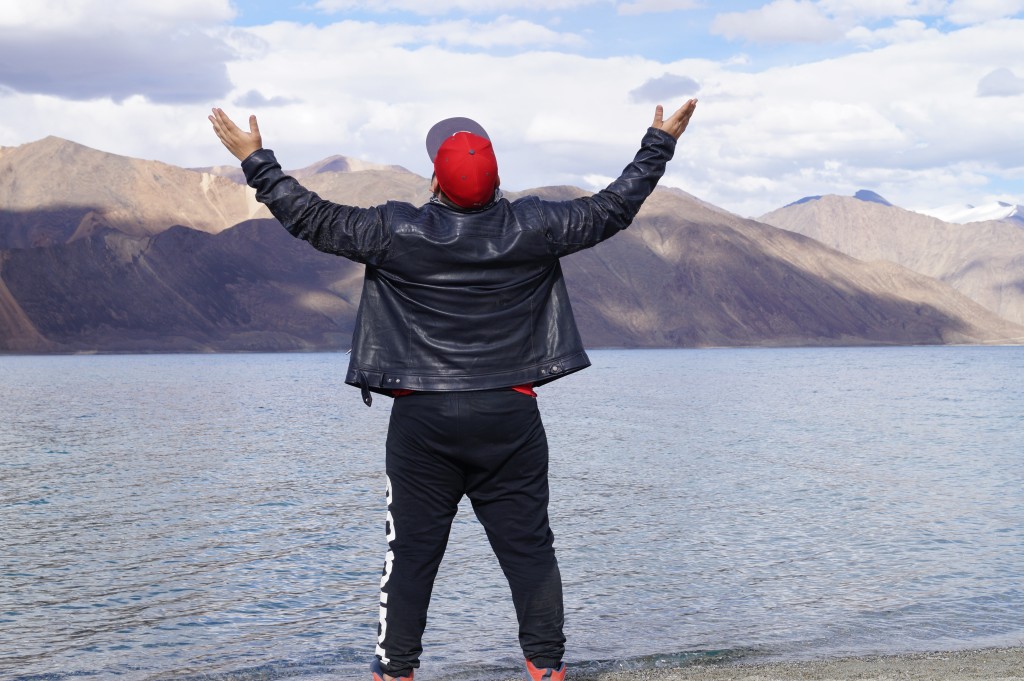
(546, 673)
(378, 672)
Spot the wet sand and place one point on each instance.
(989, 664)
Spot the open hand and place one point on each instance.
(675, 124)
(239, 142)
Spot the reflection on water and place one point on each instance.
(205, 516)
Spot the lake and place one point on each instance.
(222, 516)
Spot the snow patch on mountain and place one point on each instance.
(862, 194)
(962, 214)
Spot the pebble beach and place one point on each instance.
(973, 665)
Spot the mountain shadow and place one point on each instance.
(101, 253)
(44, 227)
(249, 288)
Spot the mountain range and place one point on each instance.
(982, 260)
(998, 210)
(103, 253)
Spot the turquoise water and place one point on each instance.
(221, 516)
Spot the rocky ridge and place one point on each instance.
(126, 255)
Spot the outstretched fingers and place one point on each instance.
(676, 124)
(222, 125)
(239, 142)
(659, 113)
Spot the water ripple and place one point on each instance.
(221, 517)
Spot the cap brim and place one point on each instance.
(442, 130)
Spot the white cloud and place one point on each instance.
(61, 15)
(863, 22)
(961, 12)
(178, 134)
(503, 32)
(657, 6)
(536, 105)
(888, 113)
(978, 11)
(597, 182)
(902, 31)
(254, 99)
(441, 7)
(901, 116)
(667, 87)
(902, 120)
(861, 10)
(1001, 83)
(791, 21)
(167, 52)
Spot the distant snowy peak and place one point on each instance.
(863, 195)
(961, 214)
(870, 197)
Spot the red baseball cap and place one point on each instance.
(464, 162)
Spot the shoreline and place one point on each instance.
(988, 664)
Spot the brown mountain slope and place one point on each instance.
(685, 274)
(342, 164)
(251, 287)
(54, 190)
(254, 287)
(331, 164)
(19, 334)
(982, 260)
(370, 187)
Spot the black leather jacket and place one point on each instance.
(462, 300)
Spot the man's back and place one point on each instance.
(465, 301)
(463, 309)
(458, 299)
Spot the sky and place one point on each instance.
(921, 101)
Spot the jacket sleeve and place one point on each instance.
(355, 233)
(571, 226)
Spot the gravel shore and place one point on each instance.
(990, 665)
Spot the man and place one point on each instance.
(464, 312)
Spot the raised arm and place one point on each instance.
(355, 233)
(574, 225)
(239, 142)
(675, 124)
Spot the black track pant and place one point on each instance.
(489, 445)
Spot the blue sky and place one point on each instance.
(919, 100)
(604, 30)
